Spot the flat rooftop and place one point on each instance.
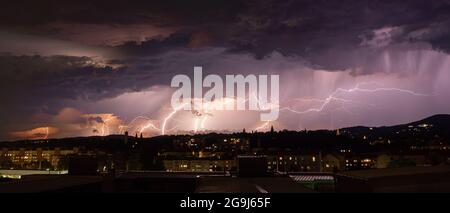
(250, 185)
(154, 182)
(46, 183)
(388, 172)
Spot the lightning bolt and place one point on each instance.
(47, 132)
(263, 126)
(196, 124)
(357, 88)
(141, 128)
(149, 125)
(105, 127)
(168, 117)
(202, 123)
(334, 97)
(200, 119)
(325, 103)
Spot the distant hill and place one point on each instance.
(436, 120)
(437, 123)
(441, 120)
(425, 133)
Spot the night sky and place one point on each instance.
(79, 68)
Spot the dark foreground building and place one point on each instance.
(247, 180)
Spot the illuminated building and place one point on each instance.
(199, 165)
(38, 158)
(293, 163)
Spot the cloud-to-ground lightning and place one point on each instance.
(148, 125)
(200, 118)
(263, 126)
(139, 128)
(196, 124)
(167, 118)
(47, 132)
(105, 127)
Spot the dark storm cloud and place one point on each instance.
(320, 30)
(96, 119)
(38, 84)
(156, 46)
(66, 77)
(166, 12)
(307, 28)
(326, 34)
(315, 30)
